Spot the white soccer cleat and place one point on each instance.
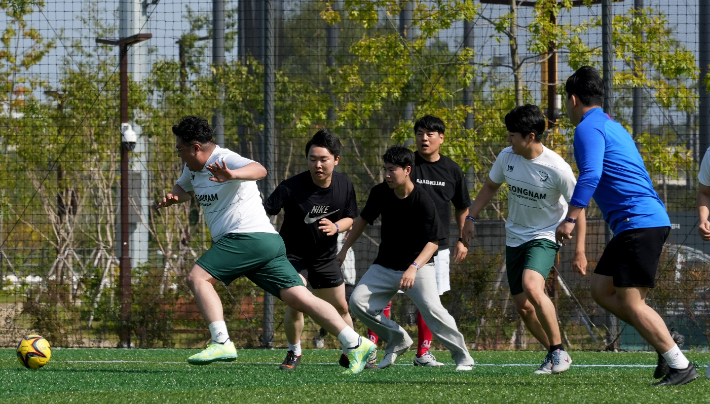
(390, 357)
(546, 367)
(427, 360)
(464, 368)
(560, 361)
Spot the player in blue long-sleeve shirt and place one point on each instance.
(612, 172)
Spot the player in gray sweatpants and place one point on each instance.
(377, 288)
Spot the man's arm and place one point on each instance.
(250, 172)
(358, 227)
(564, 230)
(410, 274)
(333, 228)
(461, 248)
(579, 262)
(178, 195)
(703, 205)
(484, 196)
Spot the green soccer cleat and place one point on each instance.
(214, 353)
(359, 356)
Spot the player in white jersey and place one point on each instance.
(703, 205)
(540, 184)
(244, 243)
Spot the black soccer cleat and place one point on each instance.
(662, 366)
(344, 361)
(679, 377)
(291, 361)
(371, 361)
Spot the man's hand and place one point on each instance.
(467, 234)
(564, 232)
(408, 278)
(168, 199)
(704, 230)
(327, 227)
(460, 252)
(579, 263)
(219, 173)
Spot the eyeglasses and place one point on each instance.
(178, 150)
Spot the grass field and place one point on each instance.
(162, 376)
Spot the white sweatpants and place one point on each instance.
(379, 285)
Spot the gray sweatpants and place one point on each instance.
(377, 288)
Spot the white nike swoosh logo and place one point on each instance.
(309, 220)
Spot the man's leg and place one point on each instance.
(425, 296)
(371, 295)
(336, 297)
(443, 284)
(527, 312)
(544, 316)
(629, 304)
(293, 327)
(545, 319)
(357, 348)
(221, 349)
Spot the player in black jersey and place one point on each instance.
(318, 204)
(443, 180)
(410, 234)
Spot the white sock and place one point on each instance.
(218, 329)
(349, 339)
(295, 348)
(675, 358)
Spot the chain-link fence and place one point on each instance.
(86, 260)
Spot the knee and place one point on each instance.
(525, 310)
(356, 305)
(191, 280)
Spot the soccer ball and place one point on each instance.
(33, 352)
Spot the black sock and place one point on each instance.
(553, 348)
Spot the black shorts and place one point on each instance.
(320, 274)
(632, 256)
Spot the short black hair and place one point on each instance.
(525, 119)
(193, 129)
(587, 84)
(323, 138)
(399, 156)
(431, 123)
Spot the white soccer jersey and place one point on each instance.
(538, 193)
(229, 207)
(704, 172)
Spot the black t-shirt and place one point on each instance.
(407, 225)
(304, 204)
(443, 180)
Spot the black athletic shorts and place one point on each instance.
(632, 256)
(320, 274)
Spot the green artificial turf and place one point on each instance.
(162, 376)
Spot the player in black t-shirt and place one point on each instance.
(318, 204)
(444, 181)
(410, 235)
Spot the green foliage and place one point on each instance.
(654, 59)
(663, 156)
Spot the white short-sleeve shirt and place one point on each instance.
(704, 172)
(229, 207)
(538, 193)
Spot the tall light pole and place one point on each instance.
(128, 142)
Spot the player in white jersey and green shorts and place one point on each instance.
(540, 184)
(244, 243)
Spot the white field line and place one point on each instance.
(397, 364)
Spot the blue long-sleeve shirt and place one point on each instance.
(612, 171)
